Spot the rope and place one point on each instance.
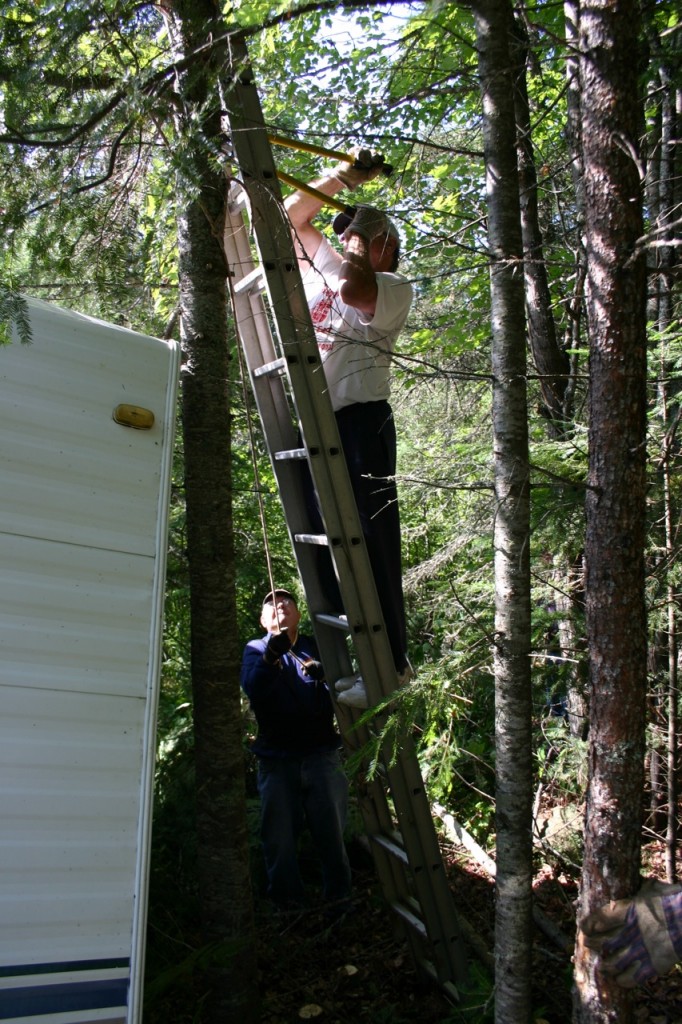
(261, 505)
(252, 450)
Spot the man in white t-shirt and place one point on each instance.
(358, 304)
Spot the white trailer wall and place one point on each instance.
(83, 531)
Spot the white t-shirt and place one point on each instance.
(355, 351)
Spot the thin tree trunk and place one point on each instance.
(673, 694)
(575, 148)
(615, 537)
(223, 847)
(573, 107)
(551, 362)
(660, 192)
(571, 605)
(514, 784)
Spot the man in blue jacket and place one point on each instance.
(300, 777)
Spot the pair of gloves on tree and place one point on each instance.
(361, 220)
(638, 939)
(278, 644)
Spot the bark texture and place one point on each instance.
(615, 608)
(513, 789)
(661, 179)
(551, 362)
(225, 890)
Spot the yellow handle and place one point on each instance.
(308, 147)
(315, 192)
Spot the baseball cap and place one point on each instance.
(278, 593)
(343, 219)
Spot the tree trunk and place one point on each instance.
(615, 507)
(673, 694)
(514, 784)
(660, 195)
(223, 853)
(573, 108)
(551, 362)
(573, 136)
(570, 602)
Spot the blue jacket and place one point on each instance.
(294, 712)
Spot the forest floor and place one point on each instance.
(358, 970)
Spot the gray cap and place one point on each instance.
(343, 219)
(268, 599)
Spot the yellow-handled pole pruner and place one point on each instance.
(335, 154)
(300, 186)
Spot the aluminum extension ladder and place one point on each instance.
(289, 387)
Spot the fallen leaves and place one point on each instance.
(310, 1010)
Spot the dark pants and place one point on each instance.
(368, 439)
(308, 790)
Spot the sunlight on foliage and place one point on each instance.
(14, 316)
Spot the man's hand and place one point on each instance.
(368, 223)
(313, 669)
(366, 167)
(638, 939)
(277, 645)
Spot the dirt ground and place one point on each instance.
(358, 970)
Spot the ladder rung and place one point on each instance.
(269, 369)
(292, 453)
(391, 847)
(402, 911)
(251, 282)
(337, 621)
(312, 538)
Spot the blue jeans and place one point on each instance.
(295, 791)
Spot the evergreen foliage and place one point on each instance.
(89, 152)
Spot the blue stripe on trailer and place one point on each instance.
(78, 995)
(62, 966)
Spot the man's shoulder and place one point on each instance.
(257, 644)
(394, 299)
(394, 279)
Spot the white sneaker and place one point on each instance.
(406, 675)
(345, 683)
(356, 696)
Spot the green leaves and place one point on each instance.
(13, 315)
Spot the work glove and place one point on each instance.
(640, 938)
(365, 167)
(368, 223)
(314, 669)
(277, 645)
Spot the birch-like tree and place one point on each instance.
(513, 765)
